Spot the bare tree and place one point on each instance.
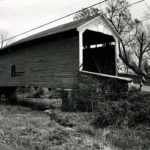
(135, 54)
(135, 41)
(135, 38)
(86, 13)
(3, 37)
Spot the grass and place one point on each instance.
(26, 129)
(126, 139)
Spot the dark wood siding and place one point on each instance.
(50, 63)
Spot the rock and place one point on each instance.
(47, 112)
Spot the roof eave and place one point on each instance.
(98, 18)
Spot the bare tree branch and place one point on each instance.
(3, 37)
(135, 40)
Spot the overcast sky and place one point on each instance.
(17, 16)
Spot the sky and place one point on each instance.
(17, 16)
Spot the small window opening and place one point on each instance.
(13, 70)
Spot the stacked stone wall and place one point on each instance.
(91, 90)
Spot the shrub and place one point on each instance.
(80, 100)
(32, 92)
(131, 111)
(109, 114)
(20, 90)
(42, 92)
(25, 92)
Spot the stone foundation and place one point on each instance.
(92, 89)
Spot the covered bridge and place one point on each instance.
(58, 57)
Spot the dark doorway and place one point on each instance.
(101, 57)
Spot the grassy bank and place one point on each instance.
(121, 122)
(25, 129)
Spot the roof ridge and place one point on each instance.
(57, 29)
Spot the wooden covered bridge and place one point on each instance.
(64, 57)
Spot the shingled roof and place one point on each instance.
(51, 31)
(55, 30)
(58, 29)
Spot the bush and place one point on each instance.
(32, 92)
(20, 90)
(42, 92)
(131, 111)
(26, 91)
(110, 114)
(80, 100)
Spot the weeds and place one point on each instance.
(85, 129)
(130, 112)
(129, 139)
(25, 129)
(124, 120)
